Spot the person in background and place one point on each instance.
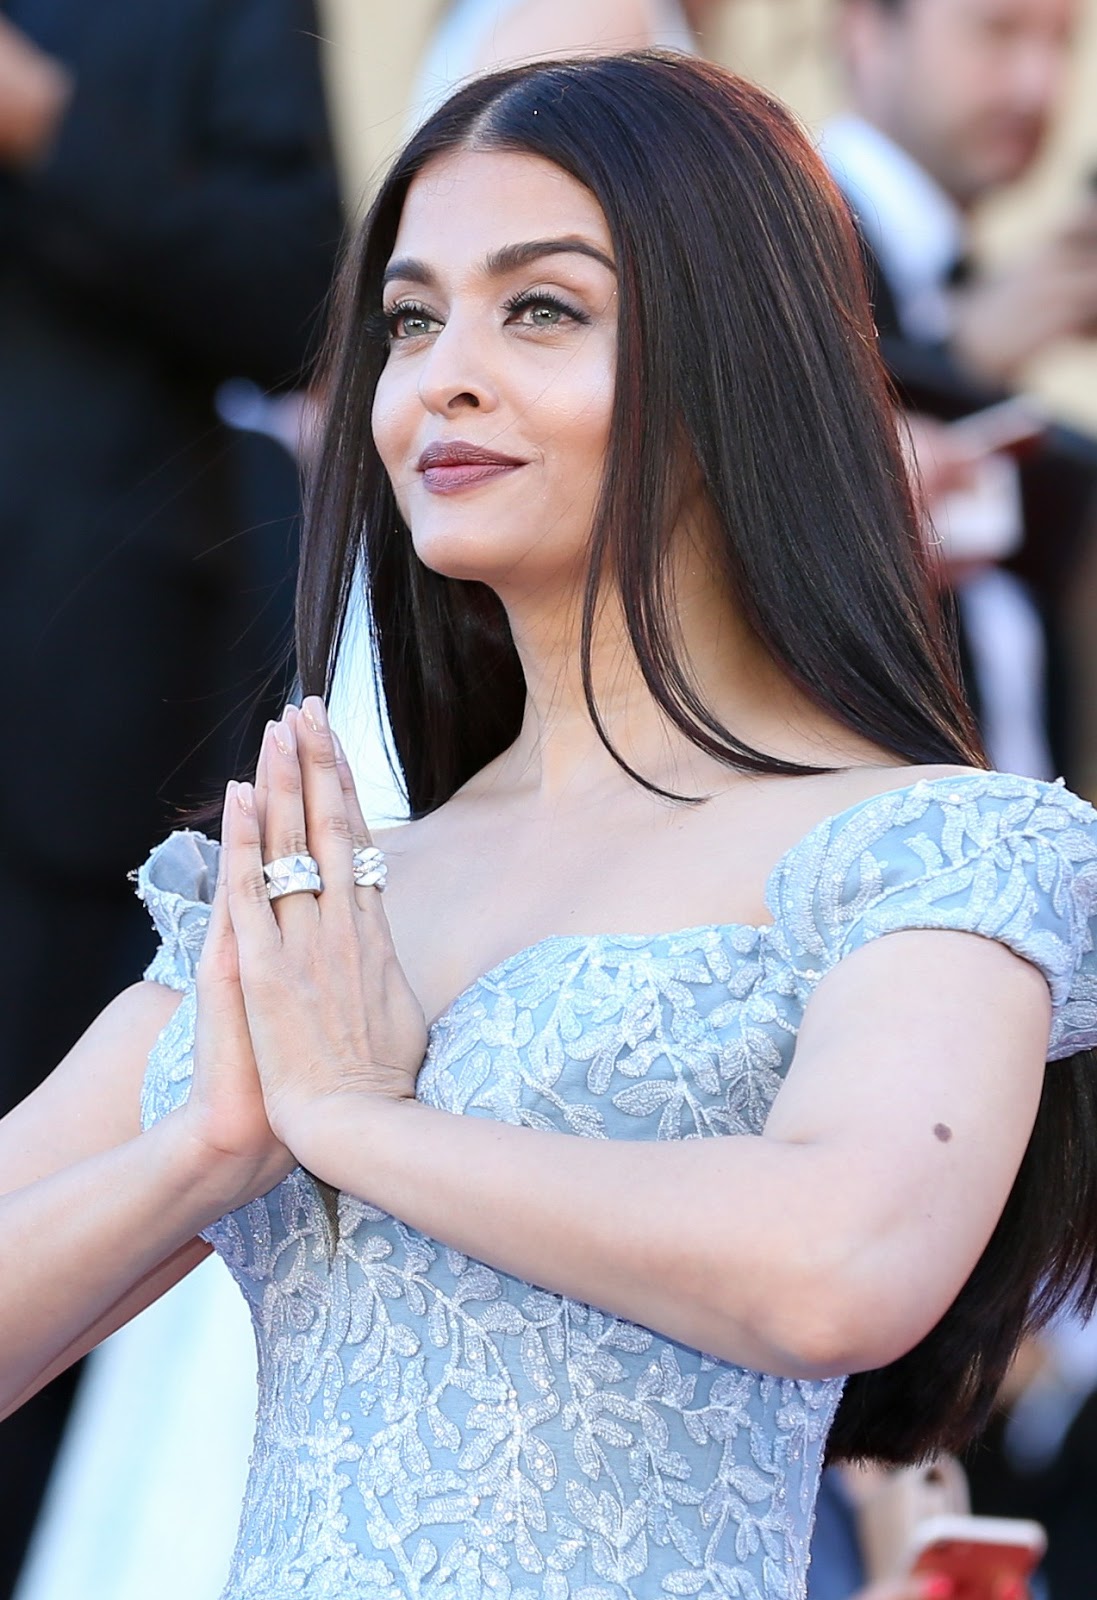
(1038, 1457)
(837, 1570)
(169, 218)
(477, 36)
(950, 101)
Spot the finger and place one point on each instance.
(250, 910)
(219, 948)
(285, 832)
(326, 821)
(262, 774)
(262, 783)
(368, 898)
(221, 1018)
(359, 831)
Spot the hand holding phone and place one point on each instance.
(987, 1558)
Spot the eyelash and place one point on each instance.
(382, 325)
(538, 297)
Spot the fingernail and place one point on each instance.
(245, 798)
(340, 753)
(314, 714)
(283, 738)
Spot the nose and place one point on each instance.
(455, 374)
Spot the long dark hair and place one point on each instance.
(746, 342)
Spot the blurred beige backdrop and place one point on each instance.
(373, 48)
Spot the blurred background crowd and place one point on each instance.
(175, 177)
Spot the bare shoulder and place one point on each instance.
(91, 1100)
(880, 780)
(855, 784)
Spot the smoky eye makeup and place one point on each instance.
(388, 324)
(383, 325)
(550, 300)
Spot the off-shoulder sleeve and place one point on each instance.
(176, 883)
(1008, 858)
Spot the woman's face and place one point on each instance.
(492, 414)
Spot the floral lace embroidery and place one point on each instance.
(429, 1427)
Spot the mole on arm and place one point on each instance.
(942, 1131)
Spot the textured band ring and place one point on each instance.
(298, 874)
(370, 871)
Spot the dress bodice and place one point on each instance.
(431, 1427)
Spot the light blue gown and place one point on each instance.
(430, 1427)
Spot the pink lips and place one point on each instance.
(457, 464)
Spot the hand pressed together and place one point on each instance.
(328, 1008)
(225, 1112)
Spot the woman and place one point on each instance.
(555, 1295)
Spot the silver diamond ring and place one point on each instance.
(370, 871)
(292, 875)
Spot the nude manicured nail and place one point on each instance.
(315, 714)
(340, 753)
(283, 738)
(245, 798)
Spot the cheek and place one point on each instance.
(574, 417)
(393, 421)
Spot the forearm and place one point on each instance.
(143, 1294)
(76, 1244)
(708, 1242)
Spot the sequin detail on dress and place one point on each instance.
(432, 1429)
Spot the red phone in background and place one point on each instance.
(987, 1558)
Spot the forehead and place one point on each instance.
(468, 203)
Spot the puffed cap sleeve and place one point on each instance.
(176, 884)
(1011, 859)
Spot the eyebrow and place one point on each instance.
(509, 258)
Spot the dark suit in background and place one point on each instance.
(181, 230)
(1058, 493)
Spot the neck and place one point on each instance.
(558, 748)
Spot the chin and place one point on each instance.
(475, 556)
(504, 563)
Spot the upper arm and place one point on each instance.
(91, 1100)
(916, 1078)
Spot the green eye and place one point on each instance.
(543, 311)
(409, 322)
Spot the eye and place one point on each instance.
(408, 320)
(536, 309)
